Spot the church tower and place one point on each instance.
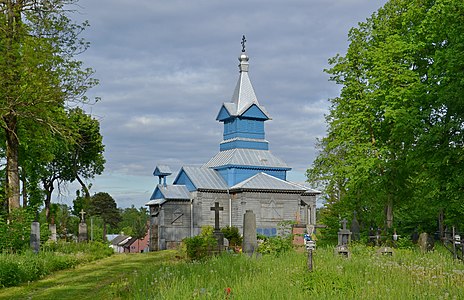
(244, 151)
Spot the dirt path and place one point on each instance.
(90, 281)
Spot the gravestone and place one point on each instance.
(344, 235)
(82, 237)
(217, 231)
(52, 228)
(344, 238)
(355, 229)
(35, 237)
(250, 241)
(425, 242)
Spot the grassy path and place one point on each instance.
(90, 281)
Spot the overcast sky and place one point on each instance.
(166, 67)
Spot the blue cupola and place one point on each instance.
(243, 116)
(244, 150)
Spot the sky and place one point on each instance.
(166, 67)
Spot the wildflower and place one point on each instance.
(228, 292)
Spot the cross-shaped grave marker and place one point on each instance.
(82, 213)
(216, 209)
(344, 221)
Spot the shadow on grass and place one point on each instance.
(90, 281)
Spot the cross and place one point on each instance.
(243, 43)
(216, 209)
(344, 221)
(82, 213)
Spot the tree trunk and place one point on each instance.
(84, 187)
(12, 156)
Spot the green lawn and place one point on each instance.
(89, 281)
(408, 274)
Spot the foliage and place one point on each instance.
(18, 268)
(394, 145)
(105, 207)
(15, 235)
(201, 246)
(233, 235)
(275, 245)
(134, 222)
(39, 77)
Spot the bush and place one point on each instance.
(275, 245)
(233, 235)
(201, 246)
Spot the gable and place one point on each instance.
(223, 114)
(254, 112)
(157, 194)
(183, 179)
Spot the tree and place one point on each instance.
(395, 132)
(134, 222)
(104, 206)
(78, 158)
(38, 74)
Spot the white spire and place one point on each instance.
(244, 94)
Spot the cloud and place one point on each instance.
(166, 67)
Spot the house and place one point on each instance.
(243, 175)
(118, 243)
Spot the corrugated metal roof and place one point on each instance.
(155, 202)
(244, 95)
(162, 170)
(308, 188)
(205, 178)
(246, 157)
(263, 181)
(171, 192)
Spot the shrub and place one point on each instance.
(201, 246)
(275, 245)
(233, 235)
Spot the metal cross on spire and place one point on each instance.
(243, 43)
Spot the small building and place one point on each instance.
(118, 242)
(243, 175)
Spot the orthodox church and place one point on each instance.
(243, 175)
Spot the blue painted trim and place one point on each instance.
(255, 112)
(183, 179)
(223, 114)
(244, 144)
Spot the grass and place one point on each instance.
(94, 280)
(408, 274)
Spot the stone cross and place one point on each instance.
(344, 221)
(82, 213)
(216, 209)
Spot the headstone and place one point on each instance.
(217, 231)
(52, 228)
(355, 229)
(344, 235)
(35, 236)
(344, 238)
(82, 232)
(250, 241)
(425, 242)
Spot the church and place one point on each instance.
(243, 175)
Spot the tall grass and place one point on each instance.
(408, 274)
(28, 266)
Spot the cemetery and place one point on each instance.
(378, 216)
